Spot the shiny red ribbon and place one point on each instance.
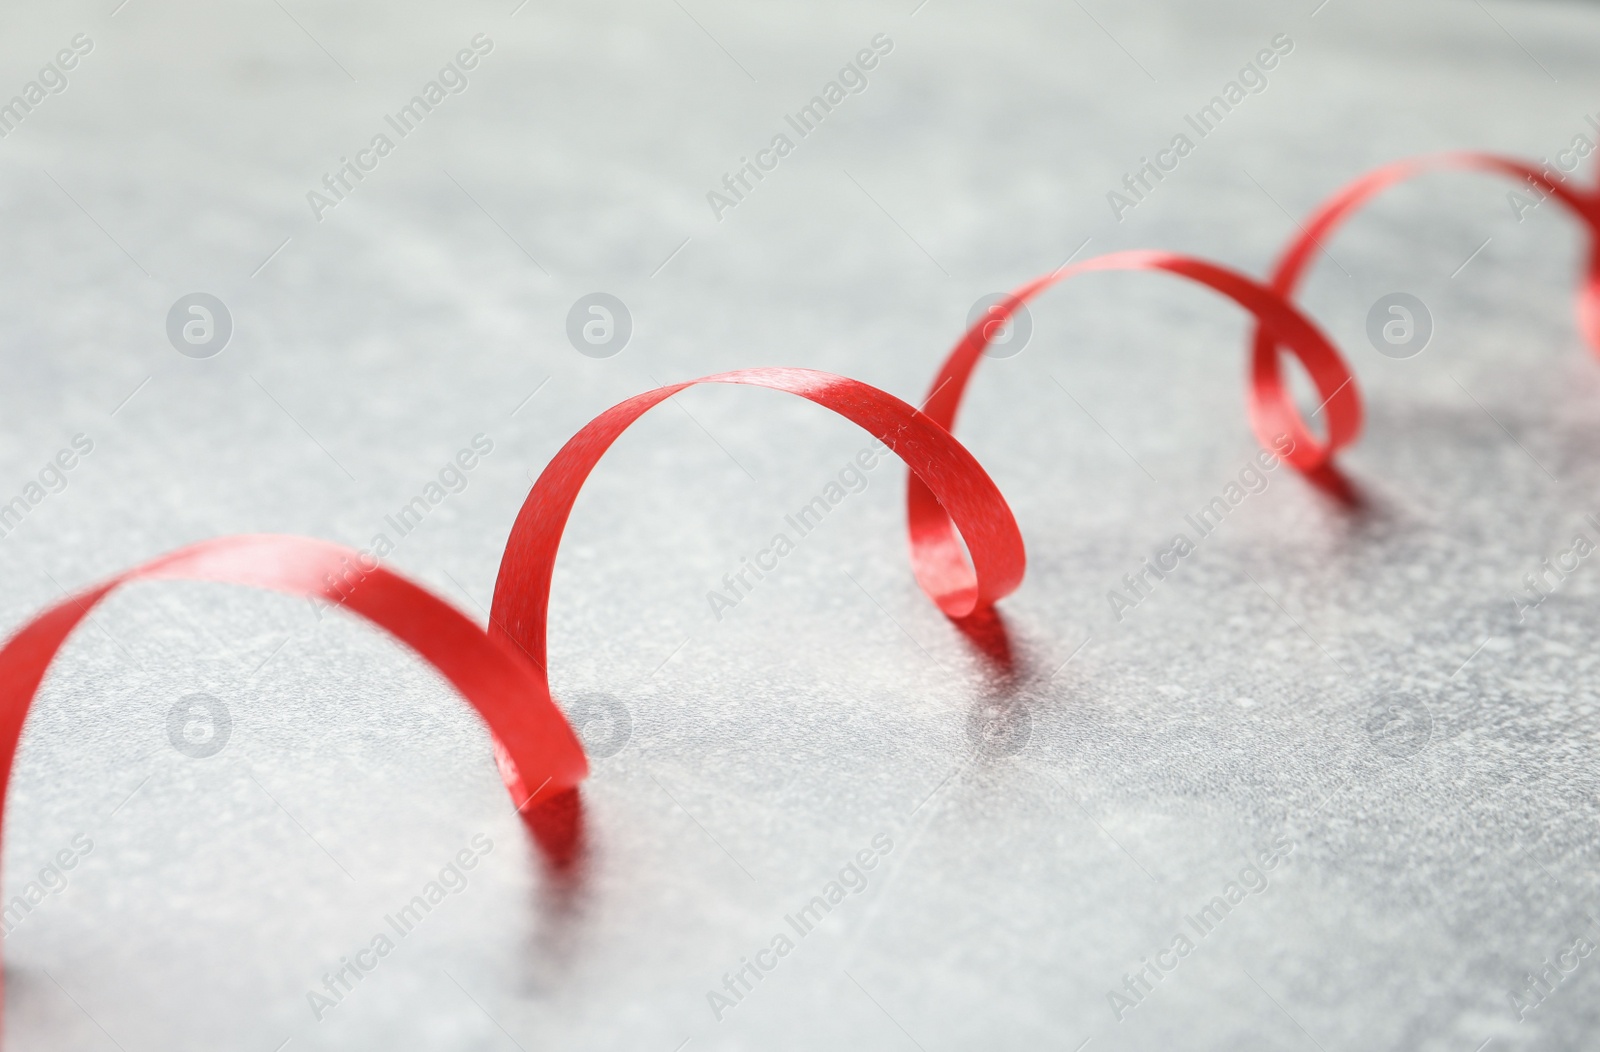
(502, 672)
(521, 606)
(507, 691)
(1272, 409)
(1279, 325)
(1295, 260)
(966, 550)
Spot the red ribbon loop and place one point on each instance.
(1272, 410)
(953, 477)
(489, 673)
(966, 550)
(502, 672)
(1296, 258)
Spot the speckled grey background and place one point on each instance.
(1032, 869)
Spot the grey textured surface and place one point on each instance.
(1028, 875)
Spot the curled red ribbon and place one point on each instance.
(520, 610)
(1280, 325)
(1272, 409)
(502, 673)
(951, 499)
(488, 672)
(954, 479)
(1296, 259)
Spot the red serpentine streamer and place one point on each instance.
(1279, 325)
(1272, 409)
(505, 689)
(521, 605)
(1296, 258)
(502, 671)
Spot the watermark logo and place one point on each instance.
(199, 325)
(452, 478)
(1541, 981)
(1399, 725)
(603, 724)
(998, 727)
(1566, 162)
(1011, 328)
(52, 80)
(340, 183)
(1138, 184)
(852, 478)
(1399, 325)
(1554, 571)
(1140, 982)
(199, 726)
(52, 880)
(1252, 479)
(852, 79)
(599, 325)
(852, 879)
(52, 478)
(339, 982)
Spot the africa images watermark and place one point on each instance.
(452, 80)
(1252, 80)
(852, 878)
(1252, 880)
(852, 479)
(852, 79)
(1252, 480)
(52, 479)
(1538, 985)
(452, 880)
(52, 880)
(52, 80)
(1549, 578)
(1566, 162)
(452, 479)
